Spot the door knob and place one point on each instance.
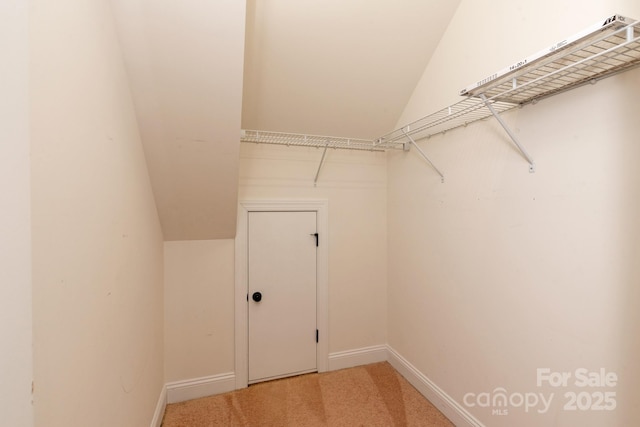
(257, 296)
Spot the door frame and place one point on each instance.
(321, 207)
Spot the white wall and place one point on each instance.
(97, 243)
(499, 272)
(198, 312)
(199, 278)
(15, 219)
(355, 186)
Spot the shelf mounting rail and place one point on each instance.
(606, 48)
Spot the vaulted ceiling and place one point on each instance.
(336, 67)
(200, 71)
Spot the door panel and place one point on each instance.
(282, 268)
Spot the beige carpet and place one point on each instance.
(371, 395)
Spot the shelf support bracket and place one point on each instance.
(532, 165)
(424, 156)
(324, 153)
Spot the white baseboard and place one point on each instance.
(441, 400)
(179, 391)
(357, 357)
(160, 407)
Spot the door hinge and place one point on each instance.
(317, 335)
(317, 236)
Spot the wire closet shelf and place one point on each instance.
(601, 50)
(301, 140)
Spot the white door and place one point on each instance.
(281, 294)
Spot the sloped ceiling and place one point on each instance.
(184, 60)
(199, 75)
(336, 67)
